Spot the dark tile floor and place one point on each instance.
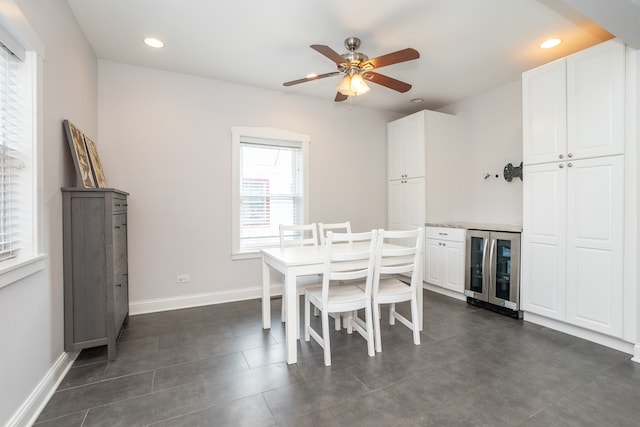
(215, 366)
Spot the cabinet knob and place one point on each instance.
(569, 164)
(561, 165)
(561, 156)
(570, 155)
(119, 285)
(117, 226)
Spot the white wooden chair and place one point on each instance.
(391, 263)
(323, 229)
(298, 235)
(341, 227)
(355, 268)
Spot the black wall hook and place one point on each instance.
(511, 172)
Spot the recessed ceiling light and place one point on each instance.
(153, 42)
(548, 44)
(417, 100)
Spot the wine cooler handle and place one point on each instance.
(485, 274)
(491, 264)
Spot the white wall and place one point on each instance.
(31, 311)
(491, 125)
(165, 138)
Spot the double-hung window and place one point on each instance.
(21, 54)
(270, 186)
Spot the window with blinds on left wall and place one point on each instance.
(21, 58)
(11, 154)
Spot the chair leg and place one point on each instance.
(297, 320)
(338, 324)
(392, 314)
(376, 326)
(369, 324)
(325, 337)
(307, 318)
(414, 321)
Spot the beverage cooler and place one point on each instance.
(492, 277)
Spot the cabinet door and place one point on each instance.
(406, 204)
(414, 202)
(453, 266)
(595, 244)
(544, 113)
(405, 147)
(433, 272)
(543, 265)
(595, 101)
(395, 204)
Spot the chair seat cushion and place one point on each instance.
(350, 294)
(393, 287)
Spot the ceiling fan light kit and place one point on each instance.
(352, 85)
(356, 67)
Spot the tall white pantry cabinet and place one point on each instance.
(574, 193)
(409, 140)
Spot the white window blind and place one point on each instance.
(271, 191)
(11, 154)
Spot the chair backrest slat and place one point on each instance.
(343, 265)
(323, 229)
(399, 260)
(298, 235)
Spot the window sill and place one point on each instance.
(246, 255)
(14, 270)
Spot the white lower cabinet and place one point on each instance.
(572, 242)
(444, 257)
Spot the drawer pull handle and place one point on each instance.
(443, 234)
(119, 285)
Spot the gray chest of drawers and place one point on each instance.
(96, 290)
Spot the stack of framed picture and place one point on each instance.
(85, 157)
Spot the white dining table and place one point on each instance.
(293, 262)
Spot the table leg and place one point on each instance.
(266, 296)
(291, 325)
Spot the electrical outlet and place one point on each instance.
(182, 278)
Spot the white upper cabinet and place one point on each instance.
(406, 147)
(595, 101)
(544, 111)
(573, 108)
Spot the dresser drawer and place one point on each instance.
(119, 204)
(445, 233)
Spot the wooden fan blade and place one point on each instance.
(329, 53)
(340, 97)
(308, 79)
(387, 81)
(391, 58)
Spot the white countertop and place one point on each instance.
(514, 228)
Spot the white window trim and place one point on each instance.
(263, 133)
(14, 23)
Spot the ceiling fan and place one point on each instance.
(357, 67)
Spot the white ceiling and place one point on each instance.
(466, 46)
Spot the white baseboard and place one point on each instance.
(586, 334)
(197, 300)
(29, 411)
(636, 353)
(444, 291)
